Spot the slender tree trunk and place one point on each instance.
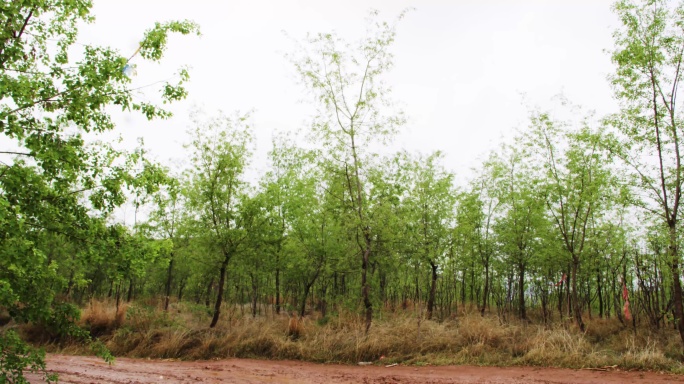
(181, 287)
(472, 285)
(599, 289)
(577, 308)
(463, 289)
(546, 313)
(617, 298)
(521, 291)
(323, 302)
(111, 289)
(302, 304)
(568, 293)
(219, 296)
(365, 286)
(254, 296)
(486, 289)
(169, 275)
(118, 296)
(677, 285)
(277, 291)
(129, 295)
(656, 297)
(433, 290)
(383, 288)
(588, 299)
(560, 298)
(355, 189)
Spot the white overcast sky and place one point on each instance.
(461, 67)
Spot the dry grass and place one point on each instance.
(102, 318)
(294, 327)
(560, 347)
(140, 331)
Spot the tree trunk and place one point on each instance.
(219, 296)
(677, 284)
(486, 290)
(599, 288)
(365, 286)
(169, 274)
(433, 290)
(302, 304)
(463, 289)
(111, 289)
(118, 296)
(546, 313)
(560, 298)
(254, 296)
(277, 291)
(577, 308)
(521, 291)
(323, 302)
(616, 298)
(129, 295)
(181, 287)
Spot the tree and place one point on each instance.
(522, 223)
(431, 202)
(165, 221)
(346, 83)
(473, 235)
(215, 191)
(576, 187)
(477, 209)
(647, 135)
(54, 183)
(288, 191)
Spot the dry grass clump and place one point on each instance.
(559, 347)
(102, 318)
(244, 338)
(646, 355)
(477, 330)
(601, 330)
(329, 343)
(294, 327)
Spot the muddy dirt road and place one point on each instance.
(86, 370)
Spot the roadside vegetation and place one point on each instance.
(145, 330)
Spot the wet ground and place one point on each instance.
(87, 370)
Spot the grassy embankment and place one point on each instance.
(141, 330)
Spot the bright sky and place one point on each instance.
(461, 67)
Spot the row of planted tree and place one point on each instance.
(572, 217)
(547, 224)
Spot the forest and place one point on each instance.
(568, 233)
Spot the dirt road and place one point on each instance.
(86, 370)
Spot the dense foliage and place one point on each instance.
(56, 190)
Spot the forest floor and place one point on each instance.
(80, 369)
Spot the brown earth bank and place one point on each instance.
(87, 370)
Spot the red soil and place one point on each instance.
(77, 369)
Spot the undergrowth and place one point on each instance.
(145, 331)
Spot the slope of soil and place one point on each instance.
(82, 370)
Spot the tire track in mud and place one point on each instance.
(91, 370)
